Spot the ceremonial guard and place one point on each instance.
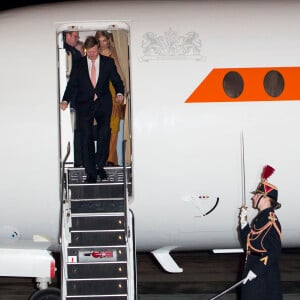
(262, 242)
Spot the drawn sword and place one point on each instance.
(228, 290)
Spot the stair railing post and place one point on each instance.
(62, 171)
(125, 188)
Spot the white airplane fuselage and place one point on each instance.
(186, 156)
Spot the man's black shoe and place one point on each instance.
(91, 179)
(102, 174)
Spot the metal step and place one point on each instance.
(97, 206)
(97, 254)
(97, 287)
(124, 297)
(97, 270)
(114, 174)
(77, 176)
(96, 191)
(100, 222)
(97, 238)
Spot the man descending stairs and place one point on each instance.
(98, 251)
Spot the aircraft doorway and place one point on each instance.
(118, 48)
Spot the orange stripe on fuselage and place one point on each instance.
(211, 88)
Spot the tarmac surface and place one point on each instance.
(204, 276)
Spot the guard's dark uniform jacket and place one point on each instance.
(263, 245)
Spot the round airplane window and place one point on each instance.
(273, 83)
(233, 84)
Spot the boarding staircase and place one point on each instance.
(98, 249)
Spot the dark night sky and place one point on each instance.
(7, 4)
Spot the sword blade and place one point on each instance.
(243, 170)
(228, 290)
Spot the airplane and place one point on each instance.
(212, 97)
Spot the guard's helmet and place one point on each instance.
(267, 189)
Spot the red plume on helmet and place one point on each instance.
(267, 189)
(267, 172)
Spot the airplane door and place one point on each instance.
(119, 33)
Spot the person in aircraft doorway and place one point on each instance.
(79, 47)
(73, 56)
(107, 49)
(262, 241)
(88, 86)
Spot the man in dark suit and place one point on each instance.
(71, 39)
(88, 87)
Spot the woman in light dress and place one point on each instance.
(107, 49)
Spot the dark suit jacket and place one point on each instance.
(80, 89)
(76, 57)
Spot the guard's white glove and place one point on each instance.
(251, 275)
(243, 216)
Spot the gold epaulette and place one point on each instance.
(273, 218)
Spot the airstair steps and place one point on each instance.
(97, 254)
(96, 248)
(113, 205)
(111, 297)
(94, 222)
(99, 287)
(88, 238)
(114, 175)
(97, 270)
(94, 191)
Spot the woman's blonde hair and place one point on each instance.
(100, 33)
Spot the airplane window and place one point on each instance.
(273, 83)
(233, 84)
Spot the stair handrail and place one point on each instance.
(125, 188)
(62, 202)
(62, 170)
(128, 212)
